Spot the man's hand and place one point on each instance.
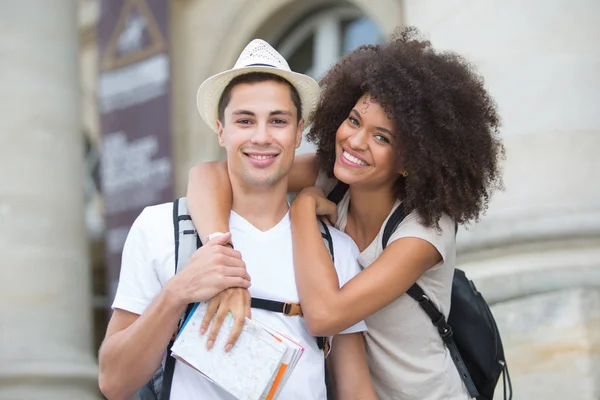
(234, 300)
(211, 269)
(324, 208)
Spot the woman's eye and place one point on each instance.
(353, 121)
(382, 138)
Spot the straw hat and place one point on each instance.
(258, 56)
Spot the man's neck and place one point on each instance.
(263, 207)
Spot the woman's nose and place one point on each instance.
(358, 140)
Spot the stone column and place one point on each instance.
(45, 288)
(541, 62)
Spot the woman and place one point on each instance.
(400, 124)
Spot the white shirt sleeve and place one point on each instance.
(138, 282)
(346, 254)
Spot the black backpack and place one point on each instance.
(186, 242)
(470, 332)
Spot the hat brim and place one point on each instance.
(209, 92)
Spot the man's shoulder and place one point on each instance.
(339, 236)
(158, 212)
(155, 219)
(346, 255)
(343, 244)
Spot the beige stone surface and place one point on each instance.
(45, 310)
(540, 62)
(552, 344)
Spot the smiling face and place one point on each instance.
(260, 132)
(365, 154)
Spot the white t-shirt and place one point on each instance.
(406, 355)
(148, 263)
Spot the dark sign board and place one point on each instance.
(134, 107)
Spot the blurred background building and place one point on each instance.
(93, 89)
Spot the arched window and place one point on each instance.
(316, 42)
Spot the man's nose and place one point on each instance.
(262, 134)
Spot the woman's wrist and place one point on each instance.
(304, 204)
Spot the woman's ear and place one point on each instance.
(400, 169)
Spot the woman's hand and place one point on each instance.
(315, 197)
(234, 300)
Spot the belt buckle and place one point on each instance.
(291, 309)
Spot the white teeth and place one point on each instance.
(353, 159)
(260, 157)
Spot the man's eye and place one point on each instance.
(244, 121)
(279, 121)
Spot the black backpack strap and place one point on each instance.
(445, 331)
(289, 309)
(326, 234)
(337, 193)
(176, 230)
(323, 342)
(392, 223)
(165, 392)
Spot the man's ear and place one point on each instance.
(299, 132)
(220, 133)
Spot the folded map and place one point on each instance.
(256, 368)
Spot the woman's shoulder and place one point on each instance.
(413, 222)
(442, 238)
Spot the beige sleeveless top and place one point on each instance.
(406, 356)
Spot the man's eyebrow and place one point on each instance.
(281, 112)
(379, 128)
(250, 113)
(243, 112)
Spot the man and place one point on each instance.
(256, 108)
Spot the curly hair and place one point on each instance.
(446, 124)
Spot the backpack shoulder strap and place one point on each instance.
(186, 237)
(445, 331)
(337, 193)
(326, 234)
(186, 242)
(437, 318)
(392, 223)
(323, 342)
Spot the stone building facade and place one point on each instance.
(535, 255)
